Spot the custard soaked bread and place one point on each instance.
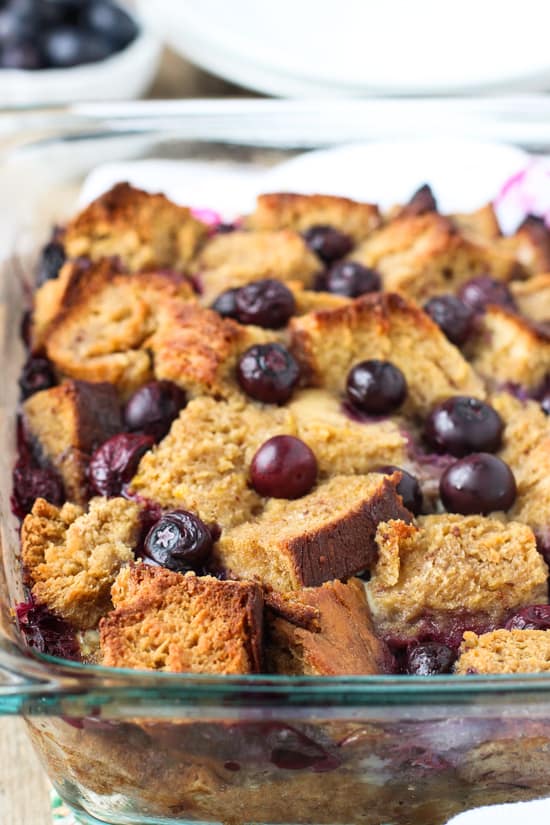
(72, 557)
(328, 534)
(450, 565)
(166, 621)
(505, 651)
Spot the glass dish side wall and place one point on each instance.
(158, 748)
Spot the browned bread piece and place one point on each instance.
(533, 296)
(144, 231)
(101, 332)
(237, 258)
(385, 326)
(327, 534)
(202, 464)
(480, 226)
(183, 623)
(72, 557)
(526, 449)
(343, 445)
(507, 348)
(448, 565)
(344, 644)
(425, 255)
(529, 245)
(505, 651)
(283, 210)
(67, 423)
(198, 349)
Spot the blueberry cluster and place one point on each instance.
(43, 34)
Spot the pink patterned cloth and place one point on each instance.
(525, 193)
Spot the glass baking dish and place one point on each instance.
(136, 748)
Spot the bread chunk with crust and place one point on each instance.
(529, 245)
(426, 255)
(526, 449)
(72, 557)
(343, 644)
(183, 623)
(240, 257)
(101, 332)
(505, 651)
(533, 297)
(284, 210)
(67, 423)
(202, 464)
(327, 534)
(385, 326)
(144, 231)
(507, 348)
(342, 444)
(480, 226)
(449, 565)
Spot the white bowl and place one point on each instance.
(353, 47)
(124, 75)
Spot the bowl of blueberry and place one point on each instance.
(57, 51)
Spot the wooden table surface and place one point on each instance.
(24, 789)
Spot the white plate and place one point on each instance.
(316, 47)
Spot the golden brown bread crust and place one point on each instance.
(385, 326)
(73, 557)
(505, 651)
(529, 246)
(449, 565)
(237, 258)
(285, 210)
(507, 348)
(327, 534)
(67, 423)
(343, 644)
(144, 231)
(183, 623)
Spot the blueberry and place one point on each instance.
(452, 316)
(21, 55)
(283, 467)
(114, 463)
(226, 304)
(51, 260)
(67, 46)
(422, 202)
(111, 22)
(46, 632)
(153, 408)
(31, 482)
(268, 373)
(37, 374)
(429, 659)
(328, 243)
(350, 279)
(179, 541)
(267, 303)
(534, 617)
(408, 488)
(480, 483)
(376, 387)
(483, 291)
(462, 425)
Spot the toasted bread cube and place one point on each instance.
(240, 257)
(385, 326)
(282, 210)
(308, 300)
(505, 651)
(67, 423)
(452, 565)
(507, 348)
(480, 226)
(202, 464)
(327, 534)
(529, 245)
(144, 231)
(183, 623)
(343, 643)
(343, 445)
(72, 557)
(425, 255)
(533, 297)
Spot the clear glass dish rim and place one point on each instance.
(78, 124)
